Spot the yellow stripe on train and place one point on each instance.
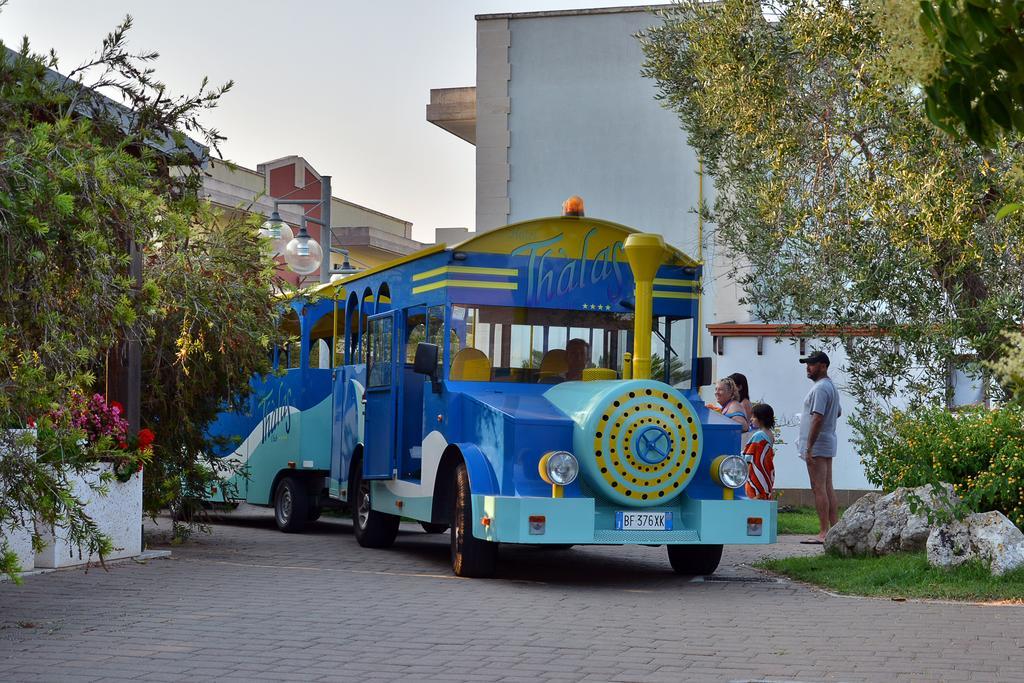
(473, 284)
(470, 270)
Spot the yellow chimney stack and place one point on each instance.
(646, 253)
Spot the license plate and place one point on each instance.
(643, 521)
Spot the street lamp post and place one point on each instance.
(300, 252)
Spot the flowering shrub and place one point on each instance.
(979, 451)
(105, 433)
(98, 419)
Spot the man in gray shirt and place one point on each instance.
(817, 443)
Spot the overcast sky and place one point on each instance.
(343, 83)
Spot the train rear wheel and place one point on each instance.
(694, 560)
(471, 556)
(373, 529)
(432, 528)
(291, 505)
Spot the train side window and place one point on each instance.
(352, 330)
(288, 353)
(338, 335)
(321, 340)
(435, 330)
(379, 352)
(415, 330)
(671, 351)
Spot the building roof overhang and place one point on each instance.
(454, 109)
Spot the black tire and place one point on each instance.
(314, 514)
(432, 528)
(471, 556)
(291, 505)
(373, 529)
(695, 560)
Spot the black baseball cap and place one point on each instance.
(816, 357)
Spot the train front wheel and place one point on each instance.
(471, 556)
(694, 560)
(373, 529)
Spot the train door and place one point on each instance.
(383, 418)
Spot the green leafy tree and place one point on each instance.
(81, 179)
(969, 57)
(846, 205)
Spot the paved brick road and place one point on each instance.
(249, 603)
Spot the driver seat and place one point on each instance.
(470, 365)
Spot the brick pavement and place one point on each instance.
(248, 603)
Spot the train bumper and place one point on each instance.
(580, 521)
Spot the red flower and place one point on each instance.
(116, 405)
(146, 437)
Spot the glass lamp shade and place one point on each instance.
(278, 233)
(303, 255)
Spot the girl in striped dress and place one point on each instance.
(760, 453)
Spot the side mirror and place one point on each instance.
(702, 373)
(426, 363)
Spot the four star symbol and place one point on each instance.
(597, 307)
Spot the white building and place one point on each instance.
(560, 108)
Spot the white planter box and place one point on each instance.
(118, 515)
(19, 539)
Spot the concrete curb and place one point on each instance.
(142, 558)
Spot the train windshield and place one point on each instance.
(512, 344)
(548, 346)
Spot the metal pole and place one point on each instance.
(325, 228)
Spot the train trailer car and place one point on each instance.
(535, 384)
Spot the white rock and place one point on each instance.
(883, 524)
(986, 536)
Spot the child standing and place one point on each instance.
(760, 452)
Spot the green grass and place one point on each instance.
(803, 521)
(900, 576)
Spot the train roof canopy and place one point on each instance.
(514, 238)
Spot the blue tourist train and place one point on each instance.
(535, 384)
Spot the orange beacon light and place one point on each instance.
(573, 206)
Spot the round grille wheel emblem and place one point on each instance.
(653, 444)
(647, 443)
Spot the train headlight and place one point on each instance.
(729, 471)
(559, 467)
